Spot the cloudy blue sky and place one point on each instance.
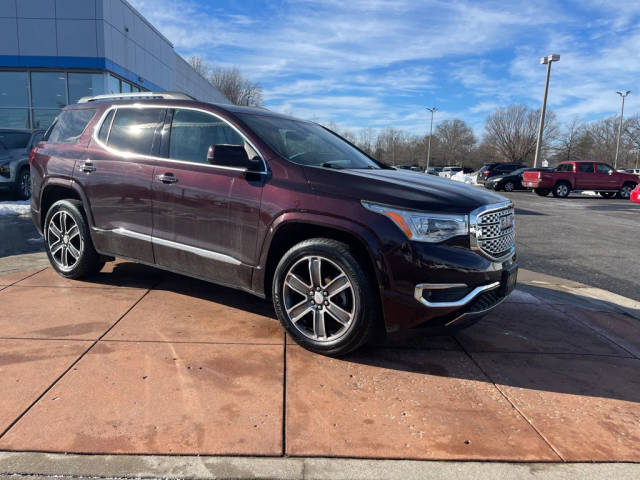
(379, 63)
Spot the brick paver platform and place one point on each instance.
(135, 360)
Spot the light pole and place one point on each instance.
(545, 61)
(623, 95)
(432, 110)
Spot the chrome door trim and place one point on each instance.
(210, 254)
(132, 155)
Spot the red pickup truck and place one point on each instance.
(575, 176)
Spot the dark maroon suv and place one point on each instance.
(271, 205)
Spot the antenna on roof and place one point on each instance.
(138, 95)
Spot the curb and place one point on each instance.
(294, 468)
(568, 290)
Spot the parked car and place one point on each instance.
(494, 169)
(577, 176)
(283, 208)
(635, 171)
(433, 171)
(15, 145)
(635, 195)
(508, 182)
(449, 171)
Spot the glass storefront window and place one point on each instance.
(14, 118)
(126, 87)
(85, 85)
(48, 89)
(42, 118)
(14, 89)
(114, 84)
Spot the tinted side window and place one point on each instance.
(192, 133)
(133, 130)
(603, 168)
(103, 134)
(69, 126)
(565, 167)
(585, 167)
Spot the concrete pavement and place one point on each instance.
(138, 361)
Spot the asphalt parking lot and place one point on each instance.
(583, 238)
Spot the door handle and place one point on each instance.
(88, 167)
(167, 178)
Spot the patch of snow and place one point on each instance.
(589, 192)
(468, 178)
(15, 208)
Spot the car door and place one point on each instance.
(585, 176)
(116, 176)
(606, 178)
(205, 216)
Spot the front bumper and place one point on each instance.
(436, 286)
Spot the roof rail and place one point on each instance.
(138, 95)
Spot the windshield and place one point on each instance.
(306, 143)
(11, 140)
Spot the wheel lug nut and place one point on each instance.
(318, 289)
(326, 302)
(312, 302)
(325, 293)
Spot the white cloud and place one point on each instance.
(378, 63)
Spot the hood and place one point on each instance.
(417, 191)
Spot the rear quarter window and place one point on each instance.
(133, 129)
(69, 126)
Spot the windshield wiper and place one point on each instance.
(335, 165)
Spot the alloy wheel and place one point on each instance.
(319, 298)
(508, 187)
(563, 191)
(625, 192)
(64, 241)
(25, 184)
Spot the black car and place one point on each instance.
(511, 181)
(494, 169)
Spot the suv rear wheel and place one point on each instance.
(561, 190)
(67, 241)
(323, 297)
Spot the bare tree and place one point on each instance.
(236, 87)
(570, 139)
(512, 131)
(200, 65)
(456, 140)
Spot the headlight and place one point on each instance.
(423, 226)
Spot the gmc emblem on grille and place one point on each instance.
(506, 222)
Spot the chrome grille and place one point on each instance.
(495, 232)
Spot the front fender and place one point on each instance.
(360, 232)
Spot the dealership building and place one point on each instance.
(53, 52)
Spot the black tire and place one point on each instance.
(22, 188)
(607, 194)
(625, 191)
(509, 187)
(66, 215)
(543, 192)
(359, 298)
(561, 190)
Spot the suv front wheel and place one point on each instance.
(323, 297)
(68, 244)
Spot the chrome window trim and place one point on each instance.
(132, 155)
(210, 254)
(440, 286)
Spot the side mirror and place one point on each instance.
(231, 156)
(610, 172)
